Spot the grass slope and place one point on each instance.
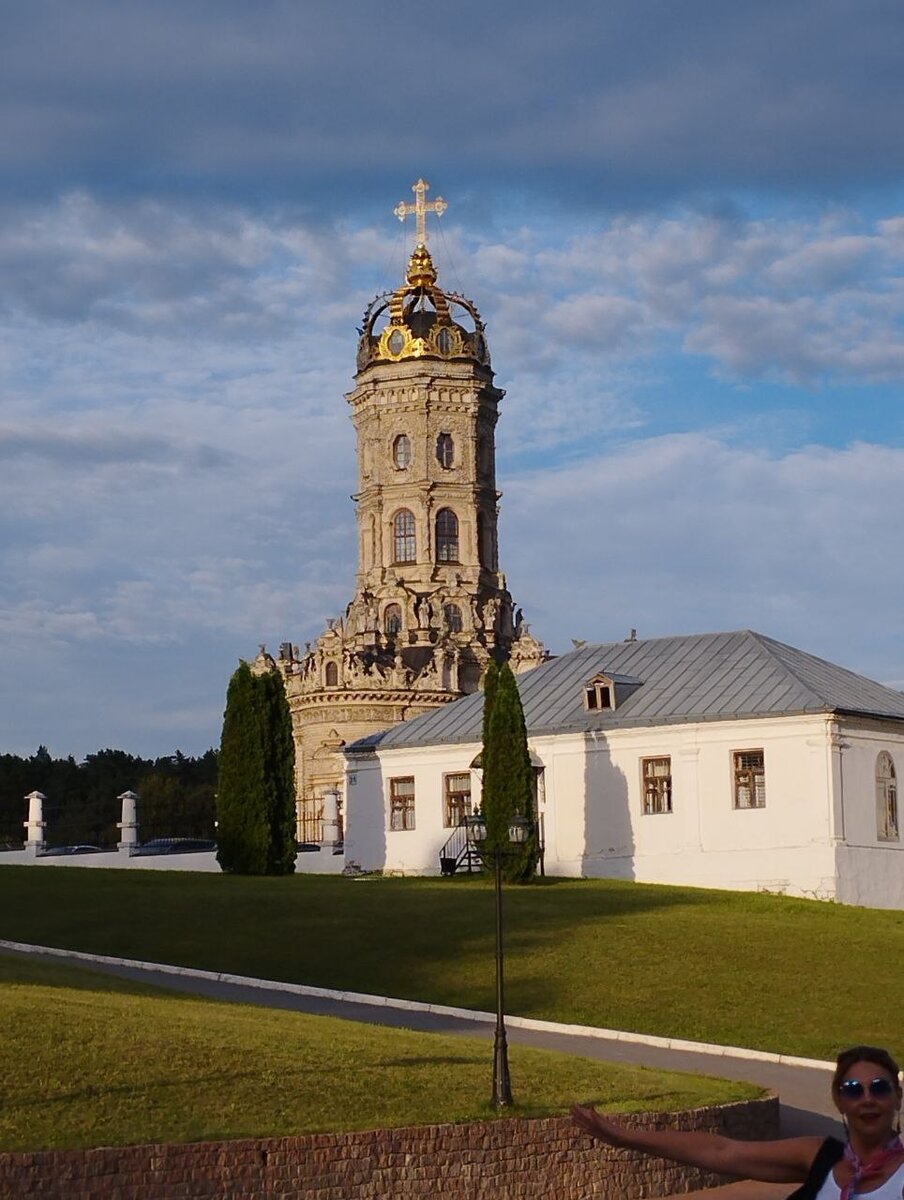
(731, 967)
(89, 1061)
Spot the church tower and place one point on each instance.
(431, 605)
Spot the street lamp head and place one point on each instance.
(478, 827)
(518, 829)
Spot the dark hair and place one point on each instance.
(871, 1054)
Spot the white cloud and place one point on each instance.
(687, 533)
(177, 456)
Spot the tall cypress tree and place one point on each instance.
(280, 774)
(256, 792)
(508, 776)
(490, 683)
(243, 824)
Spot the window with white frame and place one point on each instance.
(886, 799)
(446, 536)
(749, 768)
(401, 803)
(598, 695)
(657, 785)
(457, 797)
(403, 536)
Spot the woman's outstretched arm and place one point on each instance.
(785, 1161)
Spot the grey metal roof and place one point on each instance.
(705, 677)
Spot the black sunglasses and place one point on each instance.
(853, 1089)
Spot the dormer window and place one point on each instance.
(603, 693)
(598, 695)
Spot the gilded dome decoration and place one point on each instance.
(421, 321)
(418, 320)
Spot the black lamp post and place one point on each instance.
(518, 831)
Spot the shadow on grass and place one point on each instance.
(434, 1060)
(418, 939)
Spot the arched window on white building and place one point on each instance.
(886, 799)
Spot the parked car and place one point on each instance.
(80, 849)
(175, 845)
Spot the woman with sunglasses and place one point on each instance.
(866, 1090)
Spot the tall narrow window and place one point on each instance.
(481, 548)
(657, 785)
(445, 450)
(392, 619)
(452, 616)
(446, 536)
(332, 674)
(401, 451)
(401, 803)
(886, 799)
(403, 537)
(457, 789)
(749, 778)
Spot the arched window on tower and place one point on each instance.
(392, 619)
(404, 541)
(401, 451)
(446, 536)
(332, 674)
(886, 799)
(452, 617)
(445, 450)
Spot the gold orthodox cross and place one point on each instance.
(420, 208)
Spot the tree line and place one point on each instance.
(177, 795)
(244, 794)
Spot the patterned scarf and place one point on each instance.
(869, 1169)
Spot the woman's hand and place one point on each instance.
(587, 1118)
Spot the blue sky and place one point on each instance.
(682, 221)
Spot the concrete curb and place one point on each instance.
(300, 989)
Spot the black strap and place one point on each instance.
(829, 1153)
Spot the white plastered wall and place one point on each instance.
(870, 871)
(369, 841)
(815, 836)
(595, 824)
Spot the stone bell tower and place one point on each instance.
(431, 605)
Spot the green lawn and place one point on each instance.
(763, 971)
(89, 1061)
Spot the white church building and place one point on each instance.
(722, 760)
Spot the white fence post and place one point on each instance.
(128, 826)
(35, 825)
(331, 825)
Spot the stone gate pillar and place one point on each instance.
(35, 825)
(128, 826)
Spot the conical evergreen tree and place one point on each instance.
(490, 682)
(256, 787)
(508, 777)
(243, 824)
(279, 755)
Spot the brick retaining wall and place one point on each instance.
(514, 1159)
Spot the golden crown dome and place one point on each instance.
(419, 319)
